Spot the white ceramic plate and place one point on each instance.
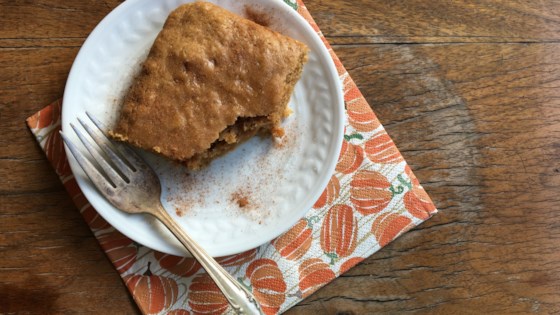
(281, 183)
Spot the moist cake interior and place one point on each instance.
(243, 129)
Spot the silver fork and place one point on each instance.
(132, 186)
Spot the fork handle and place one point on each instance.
(241, 300)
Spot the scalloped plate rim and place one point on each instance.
(335, 144)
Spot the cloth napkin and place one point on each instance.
(372, 198)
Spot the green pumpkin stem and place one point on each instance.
(311, 220)
(333, 257)
(293, 4)
(248, 287)
(353, 136)
(404, 181)
(399, 190)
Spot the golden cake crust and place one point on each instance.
(207, 68)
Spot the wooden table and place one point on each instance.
(469, 91)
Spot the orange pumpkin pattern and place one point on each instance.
(418, 203)
(329, 194)
(351, 157)
(413, 180)
(47, 117)
(268, 284)
(370, 192)
(120, 249)
(358, 213)
(93, 219)
(205, 297)
(360, 115)
(72, 187)
(351, 91)
(349, 264)
(381, 149)
(339, 232)
(313, 274)
(416, 200)
(54, 146)
(238, 259)
(349, 87)
(181, 266)
(296, 242)
(152, 293)
(388, 226)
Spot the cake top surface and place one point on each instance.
(206, 68)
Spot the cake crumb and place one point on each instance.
(241, 198)
(179, 212)
(287, 112)
(242, 202)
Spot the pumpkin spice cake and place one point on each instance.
(211, 80)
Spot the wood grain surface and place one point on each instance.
(469, 91)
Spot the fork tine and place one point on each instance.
(105, 145)
(91, 171)
(113, 176)
(128, 155)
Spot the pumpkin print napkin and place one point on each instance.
(372, 197)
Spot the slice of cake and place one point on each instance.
(211, 80)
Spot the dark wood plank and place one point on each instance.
(51, 18)
(32, 77)
(414, 21)
(343, 21)
(51, 263)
